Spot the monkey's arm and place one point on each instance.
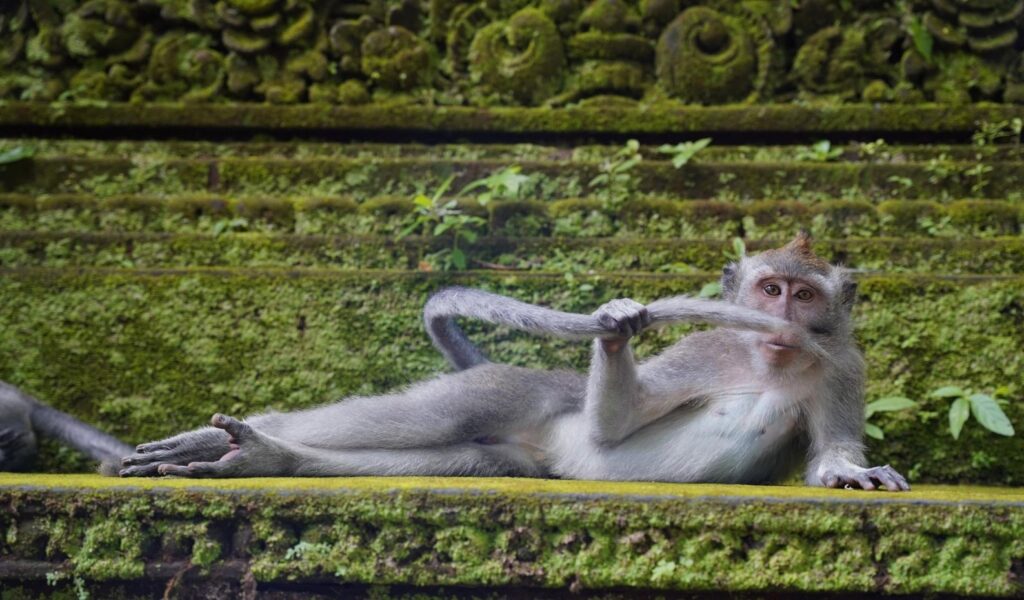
(443, 307)
(835, 422)
(622, 396)
(68, 430)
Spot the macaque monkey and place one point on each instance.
(780, 381)
(22, 417)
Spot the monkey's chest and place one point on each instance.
(731, 438)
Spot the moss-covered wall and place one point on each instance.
(528, 536)
(511, 52)
(144, 354)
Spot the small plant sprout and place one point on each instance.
(614, 184)
(739, 249)
(503, 183)
(435, 216)
(15, 154)
(821, 151)
(684, 152)
(985, 408)
(714, 288)
(887, 404)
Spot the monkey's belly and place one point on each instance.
(731, 443)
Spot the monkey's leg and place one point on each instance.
(253, 453)
(485, 401)
(489, 401)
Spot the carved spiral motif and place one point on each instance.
(522, 57)
(183, 66)
(396, 59)
(706, 57)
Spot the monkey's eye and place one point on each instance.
(772, 290)
(804, 295)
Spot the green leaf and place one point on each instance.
(889, 404)
(710, 290)
(950, 391)
(408, 230)
(447, 183)
(16, 153)
(874, 431)
(442, 227)
(422, 201)
(923, 40)
(988, 412)
(739, 247)
(468, 234)
(959, 411)
(459, 259)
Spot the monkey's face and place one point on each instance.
(793, 299)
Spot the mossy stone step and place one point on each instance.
(1003, 255)
(566, 217)
(144, 354)
(404, 176)
(873, 151)
(107, 535)
(866, 120)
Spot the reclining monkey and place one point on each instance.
(781, 380)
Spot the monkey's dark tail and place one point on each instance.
(85, 438)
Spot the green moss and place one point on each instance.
(600, 45)
(985, 216)
(660, 118)
(253, 7)
(527, 534)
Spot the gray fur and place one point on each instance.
(719, 405)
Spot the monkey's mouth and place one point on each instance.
(780, 345)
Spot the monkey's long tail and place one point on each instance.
(85, 438)
(443, 307)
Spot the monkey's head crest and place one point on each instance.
(796, 259)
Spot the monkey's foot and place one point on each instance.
(250, 453)
(867, 479)
(201, 445)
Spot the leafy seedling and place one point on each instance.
(684, 152)
(985, 408)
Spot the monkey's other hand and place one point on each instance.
(866, 479)
(622, 318)
(251, 453)
(200, 445)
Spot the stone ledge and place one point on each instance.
(154, 250)
(411, 121)
(523, 534)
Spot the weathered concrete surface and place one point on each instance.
(449, 537)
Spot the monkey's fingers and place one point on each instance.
(148, 470)
(238, 430)
(890, 478)
(220, 468)
(153, 447)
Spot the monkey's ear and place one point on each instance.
(728, 280)
(848, 293)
